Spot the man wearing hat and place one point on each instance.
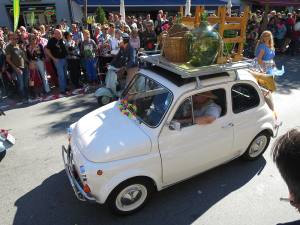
(126, 58)
(205, 109)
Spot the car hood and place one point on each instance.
(106, 135)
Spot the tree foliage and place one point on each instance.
(100, 15)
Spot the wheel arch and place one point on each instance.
(122, 178)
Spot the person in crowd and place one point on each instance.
(148, 20)
(158, 24)
(97, 34)
(117, 21)
(280, 34)
(104, 49)
(115, 41)
(17, 60)
(64, 25)
(272, 25)
(110, 18)
(135, 41)
(126, 58)
(40, 39)
(56, 50)
(2, 60)
(73, 59)
(111, 29)
(140, 24)
(286, 155)
(5, 34)
(127, 29)
(36, 57)
(35, 54)
(42, 29)
(149, 37)
(295, 36)
(77, 35)
(88, 51)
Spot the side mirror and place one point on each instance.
(175, 125)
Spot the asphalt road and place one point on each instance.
(34, 189)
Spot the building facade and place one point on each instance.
(35, 12)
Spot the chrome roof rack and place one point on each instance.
(196, 72)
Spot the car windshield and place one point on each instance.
(150, 98)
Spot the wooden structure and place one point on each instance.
(225, 22)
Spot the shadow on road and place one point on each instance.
(291, 223)
(291, 79)
(82, 106)
(53, 202)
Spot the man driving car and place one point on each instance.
(205, 109)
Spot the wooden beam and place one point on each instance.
(233, 26)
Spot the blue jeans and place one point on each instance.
(61, 68)
(90, 66)
(23, 81)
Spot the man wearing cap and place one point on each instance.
(205, 109)
(126, 58)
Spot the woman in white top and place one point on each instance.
(135, 41)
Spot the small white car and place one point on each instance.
(122, 152)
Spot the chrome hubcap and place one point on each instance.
(131, 197)
(258, 146)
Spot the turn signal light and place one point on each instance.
(86, 188)
(99, 172)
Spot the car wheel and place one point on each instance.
(103, 100)
(258, 146)
(130, 196)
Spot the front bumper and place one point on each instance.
(73, 176)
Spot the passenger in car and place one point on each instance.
(206, 110)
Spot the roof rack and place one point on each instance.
(196, 72)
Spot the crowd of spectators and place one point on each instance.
(35, 60)
(285, 28)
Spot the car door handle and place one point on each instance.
(228, 125)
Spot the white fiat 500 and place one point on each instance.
(121, 153)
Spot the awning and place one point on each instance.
(139, 3)
(277, 2)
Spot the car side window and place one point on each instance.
(244, 97)
(202, 108)
(184, 113)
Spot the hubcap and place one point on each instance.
(258, 146)
(105, 100)
(131, 197)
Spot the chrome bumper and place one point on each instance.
(70, 170)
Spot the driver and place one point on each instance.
(206, 110)
(126, 59)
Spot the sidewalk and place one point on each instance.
(8, 103)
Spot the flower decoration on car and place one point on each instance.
(127, 108)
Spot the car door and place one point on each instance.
(248, 114)
(195, 148)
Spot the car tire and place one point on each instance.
(130, 196)
(257, 146)
(104, 100)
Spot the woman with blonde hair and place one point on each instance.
(265, 51)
